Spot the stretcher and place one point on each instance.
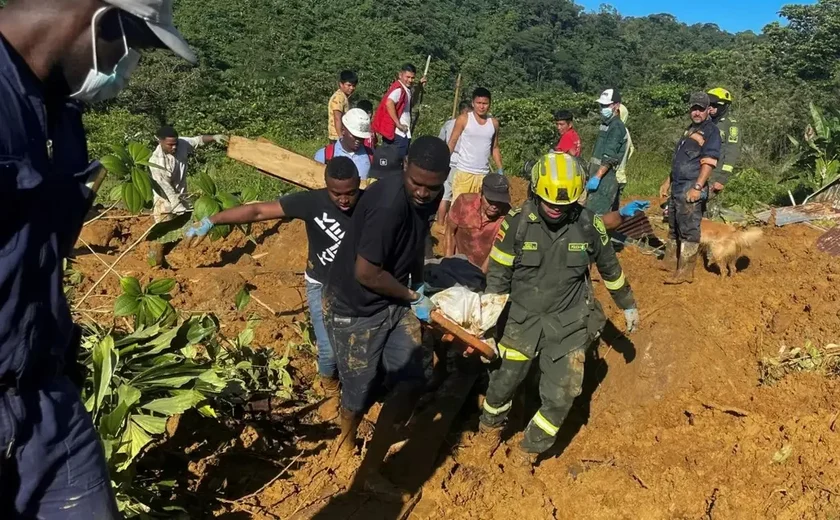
(453, 333)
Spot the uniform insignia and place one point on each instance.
(505, 225)
(532, 217)
(500, 236)
(578, 246)
(602, 230)
(529, 246)
(733, 134)
(515, 211)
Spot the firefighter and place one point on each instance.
(697, 155)
(730, 144)
(541, 258)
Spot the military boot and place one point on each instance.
(522, 461)
(688, 260)
(669, 261)
(330, 407)
(345, 445)
(488, 439)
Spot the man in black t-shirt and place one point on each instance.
(373, 297)
(327, 214)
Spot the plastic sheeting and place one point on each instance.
(475, 312)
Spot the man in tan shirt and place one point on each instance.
(340, 103)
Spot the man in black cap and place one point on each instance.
(475, 219)
(386, 162)
(695, 159)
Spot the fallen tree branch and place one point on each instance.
(110, 268)
(731, 410)
(101, 215)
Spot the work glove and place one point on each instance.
(197, 231)
(631, 316)
(633, 207)
(221, 139)
(423, 307)
(500, 171)
(593, 183)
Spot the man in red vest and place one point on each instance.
(393, 116)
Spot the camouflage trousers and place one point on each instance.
(560, 382)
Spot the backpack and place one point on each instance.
(329, 152)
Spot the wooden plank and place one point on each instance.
(277, 162)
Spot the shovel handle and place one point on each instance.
(470, 341)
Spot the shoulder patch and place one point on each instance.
(529, 246)
(532, 217)
(601, 228)
(500, 236)
(734, 134)
(514, 211)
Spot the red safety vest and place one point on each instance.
(382, 123)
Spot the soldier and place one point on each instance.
(730, 144)
(541, 258)
(697, 155)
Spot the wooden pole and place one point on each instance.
(457, 96)
(426, 70)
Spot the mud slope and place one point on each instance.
(673, 422)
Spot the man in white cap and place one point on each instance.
(607, 155)
(54, 56)
(355, 128)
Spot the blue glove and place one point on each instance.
(199, 229)
(633, 207)
(631, 316)
(423, 307)
(593, 183)
(500, 171)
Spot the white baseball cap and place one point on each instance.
(158, 15)
(357, 122)
(609, 96)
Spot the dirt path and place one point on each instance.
(673, 422)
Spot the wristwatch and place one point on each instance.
(698, 187)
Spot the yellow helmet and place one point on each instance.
(557, 178)
(722, 94)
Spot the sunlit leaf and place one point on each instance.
(130, 285)
(162, 286)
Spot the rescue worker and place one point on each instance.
(607, 155)
(54, 55)
(541, 258)
(730, 144)
(697, 155)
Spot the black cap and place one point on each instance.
(386, 162)
(699, 99)
(495, 188)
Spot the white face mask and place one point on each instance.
(98, 86)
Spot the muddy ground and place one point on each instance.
(673, 421)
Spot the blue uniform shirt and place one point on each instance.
(360, 158)
(43, 156)
(699, 145)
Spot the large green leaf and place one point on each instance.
(104, 363)
(130, 285)
(162, 286)
(153, 425)
(179, 403)
(200, 329)
(132, 198)
(154, 306)
(133, 440)
(205, 206)
(127, 397)
(170, 375)
(139, 152)
(126, 305)
(243, 298)
(228, 201)
(138, 336)
(115, 165)
(206, 184)
(173, 227)
(248, 194)
(143, 183)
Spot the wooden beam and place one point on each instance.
(277, 162)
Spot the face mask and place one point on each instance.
(606, 112)
(100, 87)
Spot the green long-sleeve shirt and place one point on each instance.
(611, 143)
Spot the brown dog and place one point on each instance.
(724, 244)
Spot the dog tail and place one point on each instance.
(748, 237)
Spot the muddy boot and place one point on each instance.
(345, 445)
(329, 409)
(669, 261)
(522, 462)
(488, 439)
(375, 483)
(688, 260)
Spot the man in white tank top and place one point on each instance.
(476, 135)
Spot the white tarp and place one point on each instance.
(475, 312)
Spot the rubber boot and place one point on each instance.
(669, 261)
(345, 445)
(329, 409)
(688, 260)
(521, 461)
(488, 439)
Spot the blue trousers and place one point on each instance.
(390, 338)
(401, 143)
(55, 469)
(326, 355)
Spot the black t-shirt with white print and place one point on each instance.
(325, 227)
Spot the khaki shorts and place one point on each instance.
(464, 182)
